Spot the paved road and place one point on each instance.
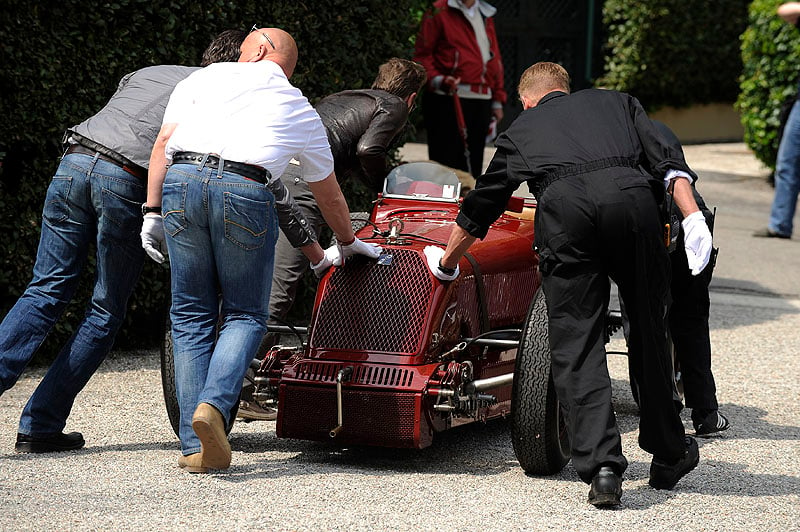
(127, 476)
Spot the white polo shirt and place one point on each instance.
(249, 113)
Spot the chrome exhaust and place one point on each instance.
(490, 383)
(343, 375)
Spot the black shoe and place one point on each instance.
(664, 476)
(769, 233)
(48, 443)
(606, 488)
(712, 423)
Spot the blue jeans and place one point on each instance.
(787, 175)
(221, 230)
(88, 201)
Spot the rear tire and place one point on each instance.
(538, 429)
(168, 384)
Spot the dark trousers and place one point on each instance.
(688, 324)
(290, 263)
(445, 144)
(589, 228)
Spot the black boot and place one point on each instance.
(664, 475)
(606, 488)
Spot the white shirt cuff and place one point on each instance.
(672, 174)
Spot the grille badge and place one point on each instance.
(385, 259)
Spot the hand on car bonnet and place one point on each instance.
(696, 241)
(356, 247)
(434, 256)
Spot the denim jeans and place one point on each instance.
(88, 201)
(787, 176)
(220, 230)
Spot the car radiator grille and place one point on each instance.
(372, 307)
(370, 418)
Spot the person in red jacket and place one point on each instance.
(457, 45)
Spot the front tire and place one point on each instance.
(538, 429)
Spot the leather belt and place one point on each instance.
(134, 170)
(250, 171)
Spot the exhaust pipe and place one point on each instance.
(343, 375)
(490, 383)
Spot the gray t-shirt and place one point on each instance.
(130, 121)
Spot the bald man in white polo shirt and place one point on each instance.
(227, 131)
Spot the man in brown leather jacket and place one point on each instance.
(362, 125)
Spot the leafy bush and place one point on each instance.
(63, 60)
(771, 55)
(673, 52)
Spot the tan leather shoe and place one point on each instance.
(215, 451)
(192, 463)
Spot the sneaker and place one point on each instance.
(664, 476)
(769, 233)
(252, 411)
(606, 489)
(48, 443)
(713, 423)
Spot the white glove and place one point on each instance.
(434, 255)
(330, 256)
(356, 247)
(152, 234)
(696, 241)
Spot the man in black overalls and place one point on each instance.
(596, 218)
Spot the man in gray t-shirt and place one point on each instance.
(95, 197)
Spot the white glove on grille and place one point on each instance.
(434, 255)
(330, 256)
(356, 247)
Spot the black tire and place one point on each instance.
(538, 429)
(168, 384)
(358, 220)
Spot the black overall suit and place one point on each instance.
(597, 218)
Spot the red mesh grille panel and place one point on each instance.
(369, 418)
(508, 295)
(370, 307)
(372, 375)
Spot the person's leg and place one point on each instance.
(577, 289)
(116, 197)
(787, 176)
(67, 230)
(444, 140)
(244, 228)
(478, 114)
(194, 309)
(290, 263)
(641, 271)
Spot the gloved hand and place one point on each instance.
(152, 235)
(331, 254)
(697, 241)
(434, 255)
(449, 84)
(356, 247)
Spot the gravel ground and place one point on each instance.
(126, 478)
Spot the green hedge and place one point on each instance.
(770, 51)
(673, 52)
(63, 60)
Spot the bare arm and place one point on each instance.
(333, 206)
(683, 197)
(458, 244)
(158, 165)
(789, 12)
